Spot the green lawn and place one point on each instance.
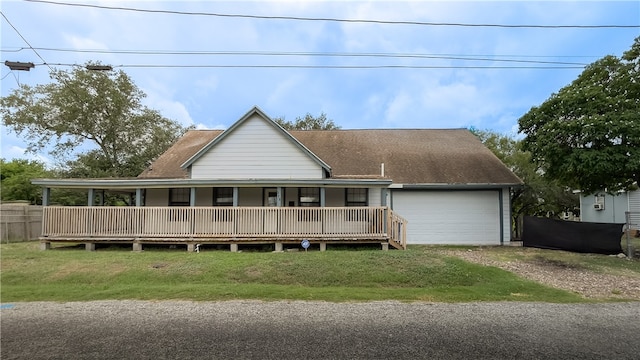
(418, 274)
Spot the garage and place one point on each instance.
(450, 217)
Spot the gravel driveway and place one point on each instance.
(585, 282)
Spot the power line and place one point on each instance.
(25, 40)
(316, 54)
(366, 21)
(330, 66)
(206, 52)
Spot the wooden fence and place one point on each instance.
(20, 222)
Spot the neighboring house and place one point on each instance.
(257, 182)
(603, 207)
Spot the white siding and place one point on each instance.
(506, 216)
(451, 217)
(375, 197)
(615, 207)
(256, 150)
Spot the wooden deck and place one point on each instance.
(222, 225)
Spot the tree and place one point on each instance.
(539, 196)
(101, 108)
(587, 136)
(15, 180)
(309, 122)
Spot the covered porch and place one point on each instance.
(196, 226)
(225, 212)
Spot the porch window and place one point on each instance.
(179, 197)
(309, 197)
(223, 196)
(357, 197)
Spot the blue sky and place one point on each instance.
(453, 96)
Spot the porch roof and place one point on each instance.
(155, 183)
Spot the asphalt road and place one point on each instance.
(318, 330)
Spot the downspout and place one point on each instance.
(501, 209)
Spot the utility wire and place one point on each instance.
(313, 54)
(205, 52)
(329, 66)
(25, 40)
(297, 18)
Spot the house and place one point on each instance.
(603, 207)
(256, 182)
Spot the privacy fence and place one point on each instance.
(580, 237)
(20, 222)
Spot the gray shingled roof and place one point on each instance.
(410, 156)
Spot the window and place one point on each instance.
(180, 197)
(309, 197)
(223, 196)
(357, 197)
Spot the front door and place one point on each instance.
(270, 220)
(270, 197)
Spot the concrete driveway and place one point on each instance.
(318, 330)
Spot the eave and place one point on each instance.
(187, 183)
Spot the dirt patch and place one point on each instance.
(72, 269)
(561, 275)
(553, 263)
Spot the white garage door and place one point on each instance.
(449, 217)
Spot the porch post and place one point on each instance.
(279, 196)
(138, 197)
(91, 196)
(383, 202)
(322, 197)
(192, 197)
(46, 196)
(383, 197)
(235, 196)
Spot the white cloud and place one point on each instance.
(283, 88)
(201, 126)
(399, 108)
(17, 152)
(171, 109)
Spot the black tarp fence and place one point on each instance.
(573, 236)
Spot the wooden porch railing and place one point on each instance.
(224, 223)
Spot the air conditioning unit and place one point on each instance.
(598, 206)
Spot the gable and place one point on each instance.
(255, 148)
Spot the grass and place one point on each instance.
(419, 274)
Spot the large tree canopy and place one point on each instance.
(102, 108)
(539, 196)
(308, 122)
(587, 136)
(15, 180)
